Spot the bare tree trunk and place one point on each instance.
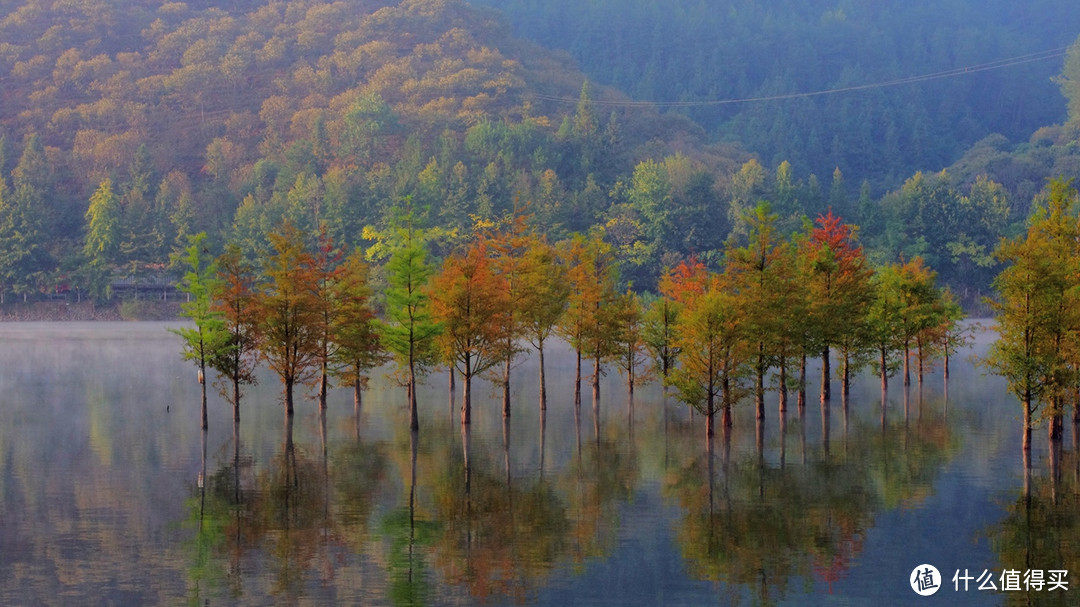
(202, 385)
(577, 380)
(907, 363)
(783, 386)
(759, 382)
(466, 399)
(1027, 428)
(543, 382)
(323, 384)
(826, 375)
(506, 386)
(845, 384)
(414, 419)
(801, 397)
(884, 372)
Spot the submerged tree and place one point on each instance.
(839, 287)
(470, 301)
(235, 300)
(288, 313)
(549, 289)
(358, 346)
(708, 335)
(1036, 308)
(204, 342)
(409, 330)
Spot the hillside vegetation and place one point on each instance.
(694, 51)
(128, 127)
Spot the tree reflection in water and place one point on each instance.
(1041, 531)
(423, 517)
(755, 528)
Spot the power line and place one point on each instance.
(951, 73)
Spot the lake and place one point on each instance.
(112, 494)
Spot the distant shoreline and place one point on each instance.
(60, 311)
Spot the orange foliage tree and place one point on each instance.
(469, 299)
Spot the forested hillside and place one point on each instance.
(150, 121)
(693, 51)
(125, 127)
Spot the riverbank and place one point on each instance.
(59, 311)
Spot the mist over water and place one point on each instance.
(111, 493)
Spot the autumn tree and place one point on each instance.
(235, 300)
(708, 334)
(761, 275)
(358, 345)
(288, 313)
(546, 274)
(596, 298)
(324, 275)
(883, 322)
(838, 289)
(630, 339)
(658, 335)
(509, 247)
(918, 298)
(204, 341)
(1035, 308)
(469, 299)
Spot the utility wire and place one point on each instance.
(952, 73)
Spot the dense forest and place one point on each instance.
(127, 127)
(692, 54)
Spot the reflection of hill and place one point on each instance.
(759, 526)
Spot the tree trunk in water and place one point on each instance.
(1027, 428)
(466, 399)
(783, 387)
(577, 380)
(826, 375)
(414, 419)
(323, 382)
(543, 384)
(919, 370)
(725, 391)
(946, 362)
(236, 401)
(202, 385)
(907, 364)
(596, 382)
(289, 397)
(845, 384)
(759, 382)
(884, 372)
(506, 387)
(801, 397)
(357, 396)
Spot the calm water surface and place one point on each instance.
(111, 494)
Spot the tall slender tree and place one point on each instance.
(549, 289)
(358, 345)
(1036, 307)
(409, 330)
(288, 313)
(203, 342)
(235, 300)
(470, 301)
